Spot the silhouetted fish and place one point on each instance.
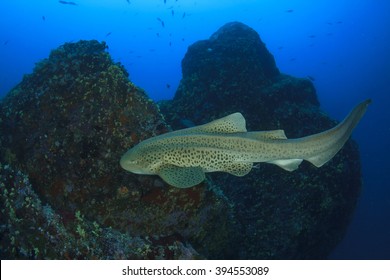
(184, 15)
(311, 78)
(128, 1)
(312, 36)
(290, 11)
(187, 123)
(108, 34)
(67, 3)
(43, 18)
(173, 12)
(162, 22)
(168, 86)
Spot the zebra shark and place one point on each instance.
(181, 158)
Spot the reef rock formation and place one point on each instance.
(63, 130)
(280, 215)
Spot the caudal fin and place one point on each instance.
(337, 136)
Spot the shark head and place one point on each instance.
(135, 161)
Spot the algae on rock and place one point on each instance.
(65, 126)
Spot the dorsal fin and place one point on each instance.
(230, 124)
(233, 123)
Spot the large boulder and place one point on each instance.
(281, 215)
(63, 130)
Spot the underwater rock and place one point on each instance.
(65, 126)
(280, 215)
(32, 230)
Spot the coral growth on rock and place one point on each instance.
(65, 126)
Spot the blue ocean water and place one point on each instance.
(343, 45)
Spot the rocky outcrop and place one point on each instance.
(63, 130)
(65, 126)
(281, 215)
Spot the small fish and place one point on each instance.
(161, 21)
(311, 78)
(289, 11)
(158, 34)
(128, 1)
(5, 43)
(312, 36)
(184, 15)
(187, 123)
(170, 44)
(168, 86)
(165, 1)
(173, 13)
(67, 3)
(108, 34)
(43, 18)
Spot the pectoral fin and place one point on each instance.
(181, 177)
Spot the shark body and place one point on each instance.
(181, 158)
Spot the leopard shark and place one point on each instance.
(181, 158)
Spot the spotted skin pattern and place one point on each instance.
(181, 158)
